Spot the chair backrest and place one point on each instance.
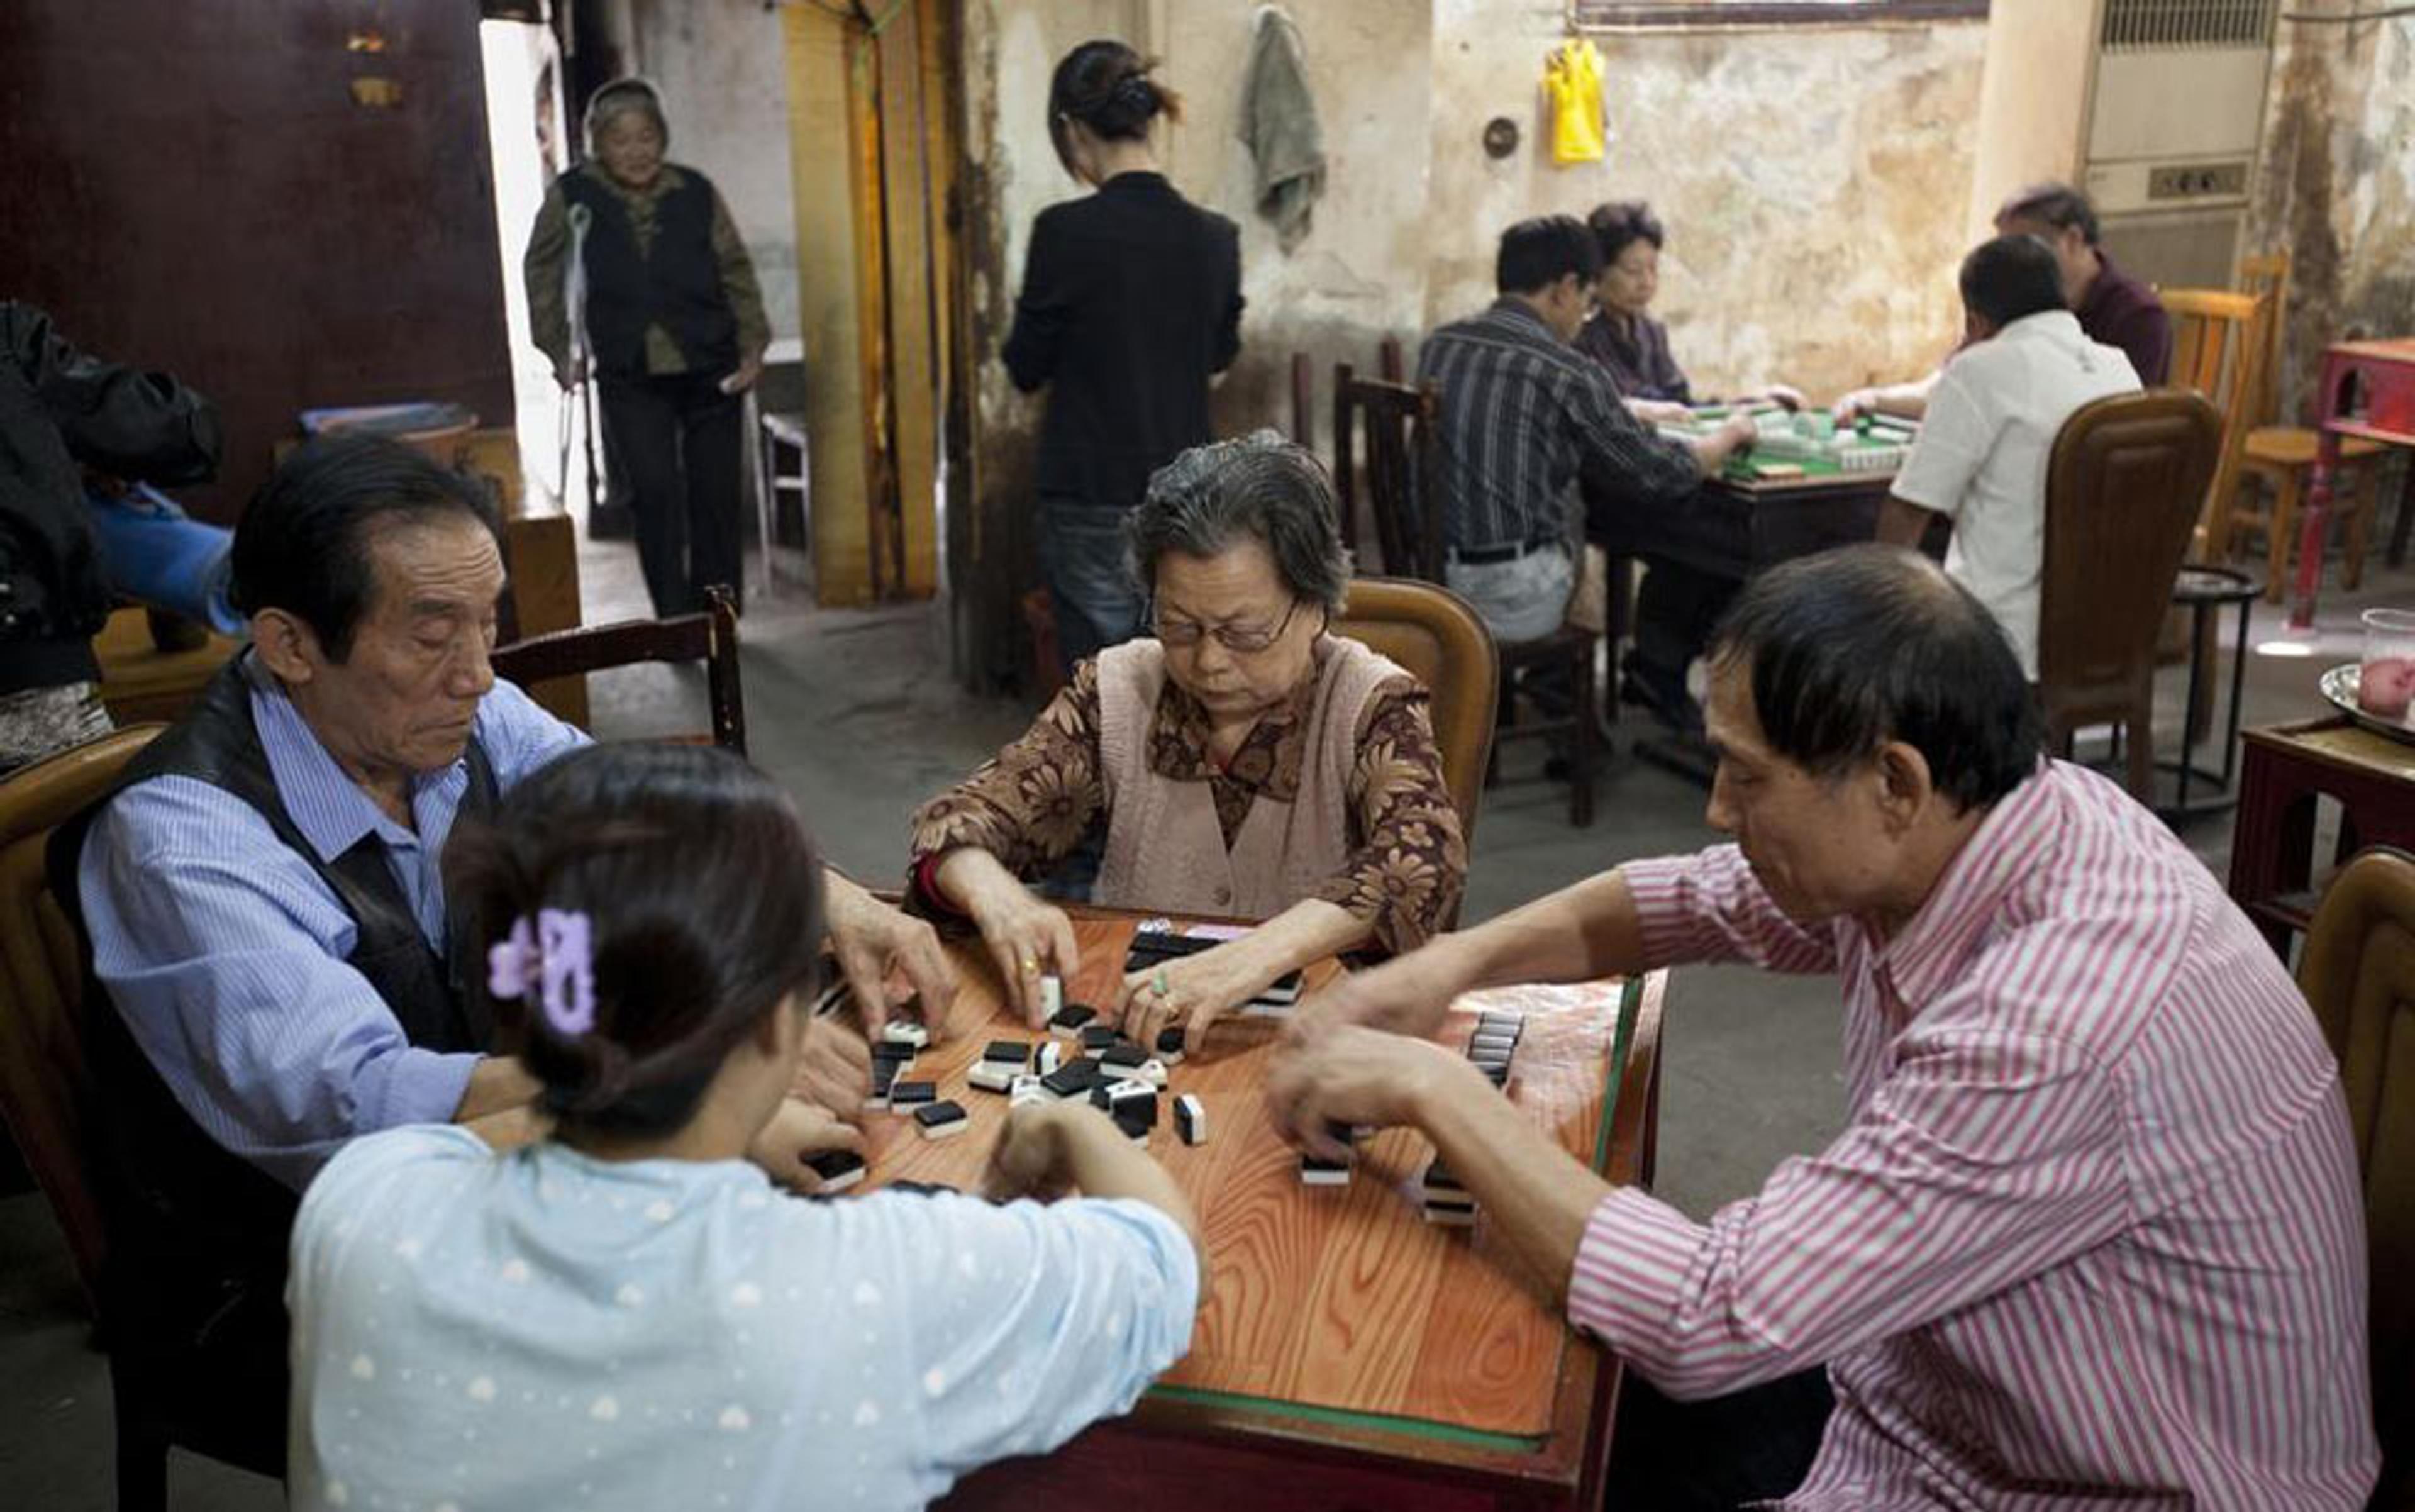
(710, 638)
(2219, 336)
(2211, 349)
(2268, 278)
(42, 1075)
(2123, 489)
(1439, 636)
(1399, 459)
(2357, 972)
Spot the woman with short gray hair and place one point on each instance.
(1243, 761)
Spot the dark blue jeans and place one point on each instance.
(1081, 557)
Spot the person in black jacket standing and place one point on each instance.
(62, 410)
(674, 327)
(1132, 299)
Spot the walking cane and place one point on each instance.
(564, 416)
(574, 289)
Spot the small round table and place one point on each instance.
(2203, 592)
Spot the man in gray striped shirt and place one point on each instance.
(1522, 414)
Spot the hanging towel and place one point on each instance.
(1572, 81)
(1278, 126)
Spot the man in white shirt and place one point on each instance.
(1981, 459)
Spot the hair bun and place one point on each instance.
(1135, 92)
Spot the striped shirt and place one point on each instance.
(1523, 414)
(225, 952)
(2095, 1235)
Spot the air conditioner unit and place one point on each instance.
(2154, 108)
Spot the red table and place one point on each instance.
(2387, 369)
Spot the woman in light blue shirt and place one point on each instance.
(629, 1314)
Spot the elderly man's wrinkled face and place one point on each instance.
(1819, 846)
(1236, 638)
(630, 147)
(402, 701)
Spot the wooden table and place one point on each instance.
(1347, 1354)
(2387, 371)
(138, 682)
(541, 556)
(1739, 527)
(2284, 770)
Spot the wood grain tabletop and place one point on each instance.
(1337, 1308)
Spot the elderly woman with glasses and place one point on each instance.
(1243, 761)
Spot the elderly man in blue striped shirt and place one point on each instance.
(1522, 414)
(267, 914)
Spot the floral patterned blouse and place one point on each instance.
(1031, 804)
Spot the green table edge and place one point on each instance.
(1630, 999)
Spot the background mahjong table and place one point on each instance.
(1795, 492)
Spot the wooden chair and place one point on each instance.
(2215, 352)
(2124, 488)
(1402, 466)
(48, 1099)
(2284, 455)
(710, 638)
(1397, 450)
(1437, 634)
(2358, 972)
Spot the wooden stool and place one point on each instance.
(776, 430)
(2284, 770)
(2284, 455)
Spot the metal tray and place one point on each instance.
(2339, 686)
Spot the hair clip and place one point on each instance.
(554, 959)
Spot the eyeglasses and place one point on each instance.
(1241, 640)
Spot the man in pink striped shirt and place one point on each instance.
(2094, 1236)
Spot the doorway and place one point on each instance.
(525, 141)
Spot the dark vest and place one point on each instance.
(198, 1234)
(674, 283)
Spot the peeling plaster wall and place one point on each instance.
(1813, 182)
(1359, 277)
(1010, 173)
(1812, 179)
(720, 69)
(1360, 272)
(1015, 46)
(2338, 190)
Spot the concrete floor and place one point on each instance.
(855, 713)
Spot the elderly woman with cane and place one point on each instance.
(674, 330)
